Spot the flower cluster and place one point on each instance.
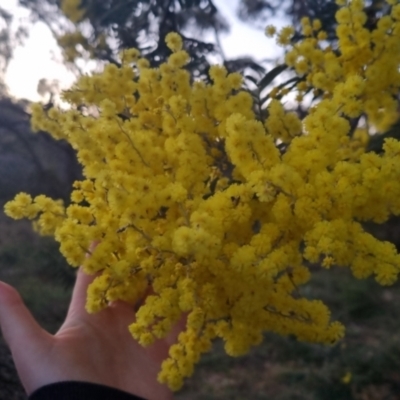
(361, 78)
(187, 192)
(73, 43)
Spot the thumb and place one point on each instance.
(20, 330)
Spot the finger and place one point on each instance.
(17, 323)
(79, 294)
(147, 292)
(83, 280)
(159, 350)
(24, 336)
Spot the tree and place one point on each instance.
(9, 39)
(99, 30)
(114, 25)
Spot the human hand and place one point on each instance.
(96, 348)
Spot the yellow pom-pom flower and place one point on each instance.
(217, 213)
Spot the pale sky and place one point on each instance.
(40, 57)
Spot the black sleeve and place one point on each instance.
(74, 390)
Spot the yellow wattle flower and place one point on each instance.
(189, 194)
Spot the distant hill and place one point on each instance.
(32, 162)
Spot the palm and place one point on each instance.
(94, 348)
